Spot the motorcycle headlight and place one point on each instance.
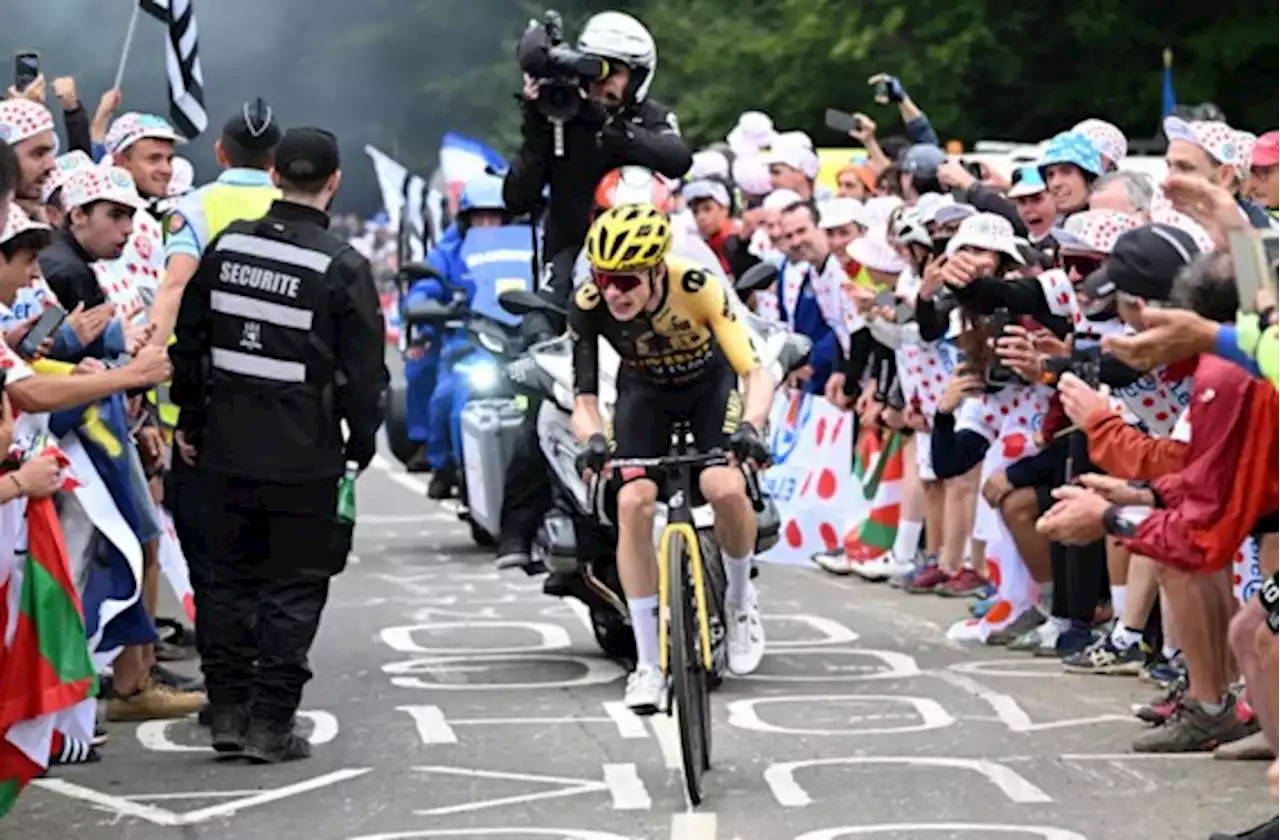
(482, 376)
(491, 343)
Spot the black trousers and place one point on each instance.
(527, 492)
(1080, 580)
(275, 549)
(188, 494)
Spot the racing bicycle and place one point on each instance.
(684, 598)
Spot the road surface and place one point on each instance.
(452, 701)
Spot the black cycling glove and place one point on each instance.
(746, 445)
(594, 456)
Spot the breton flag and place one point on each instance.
(182, 62)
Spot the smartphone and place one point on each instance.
(940, 245)
(842, 122)
(45, 326)
(973, 168)
(998, 375)
(26, 68)
(882, 92)
(1253, 256)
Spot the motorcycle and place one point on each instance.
(576, 538)
(497, 260)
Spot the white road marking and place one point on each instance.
(781, 777)
(583, 613)
(629, 724)
(668, 735)
(196, 794)
(626, 788)
(1135, 756)
(1011, 714)
(399, 477)
(228, 808)
(692, 825)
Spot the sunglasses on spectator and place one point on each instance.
(1084, 265)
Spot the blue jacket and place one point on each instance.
(809, 321)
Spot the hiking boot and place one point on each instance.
(1020, 626)
(1103, 657)
(154, 701)
(927, 581)
(269, 744)
(1193, 729)
(228, 728)
(962, 584)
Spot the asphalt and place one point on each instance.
(453, 701)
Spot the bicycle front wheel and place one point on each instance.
(689, 677)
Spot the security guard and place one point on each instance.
(279, 341)
(243, 191)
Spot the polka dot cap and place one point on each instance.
(1218, 139)
(1106, 138)
(1099, 229)
(1163, 212)
(101, 183)
(1247, 141)
(64, 166)
(19, 222)
(22, 119)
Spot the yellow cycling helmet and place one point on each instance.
(631, 237)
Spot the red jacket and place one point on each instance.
(1229, 478)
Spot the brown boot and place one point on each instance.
(154, 701)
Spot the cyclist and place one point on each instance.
(682, 348)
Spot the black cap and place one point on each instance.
(307, 154)
(1143, 263)
(254, 127)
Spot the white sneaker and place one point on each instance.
(881, 568)
(646, 692)
(746, 637)
(836, 562)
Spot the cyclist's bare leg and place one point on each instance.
(726, 491)
(637, 565)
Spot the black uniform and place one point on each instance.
(279, 339)
(595, 143)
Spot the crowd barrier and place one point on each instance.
(833, 492)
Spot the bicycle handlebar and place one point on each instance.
(714, 458)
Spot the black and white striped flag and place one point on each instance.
(182, 63)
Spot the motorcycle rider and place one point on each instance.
(480, 205)
(682, 348)
(617, 125)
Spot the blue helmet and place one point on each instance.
(482, 192)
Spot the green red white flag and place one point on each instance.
(47, 679)
(877, 466)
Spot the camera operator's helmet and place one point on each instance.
(912, 229)
(632, 237)
(633, 185)
(482, 192)
(620, 37)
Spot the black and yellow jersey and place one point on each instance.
(690, 334)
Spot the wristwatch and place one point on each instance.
(1123, 520)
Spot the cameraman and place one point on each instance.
(613, 125)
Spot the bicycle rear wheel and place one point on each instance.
(688, 674)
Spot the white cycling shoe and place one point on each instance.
(746, 637)
(646, 692)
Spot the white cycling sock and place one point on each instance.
(1123, 638)
(644, 623)
(739, 591)
(907, 543)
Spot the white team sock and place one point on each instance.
(907, 543)
(1123, 638)
(1169, 652)
(1117, 601)
(644, 624)
(739, 590)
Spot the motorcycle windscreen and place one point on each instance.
(499, 259)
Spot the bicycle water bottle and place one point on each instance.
(347, 494)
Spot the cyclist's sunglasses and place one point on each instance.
(622, 282)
